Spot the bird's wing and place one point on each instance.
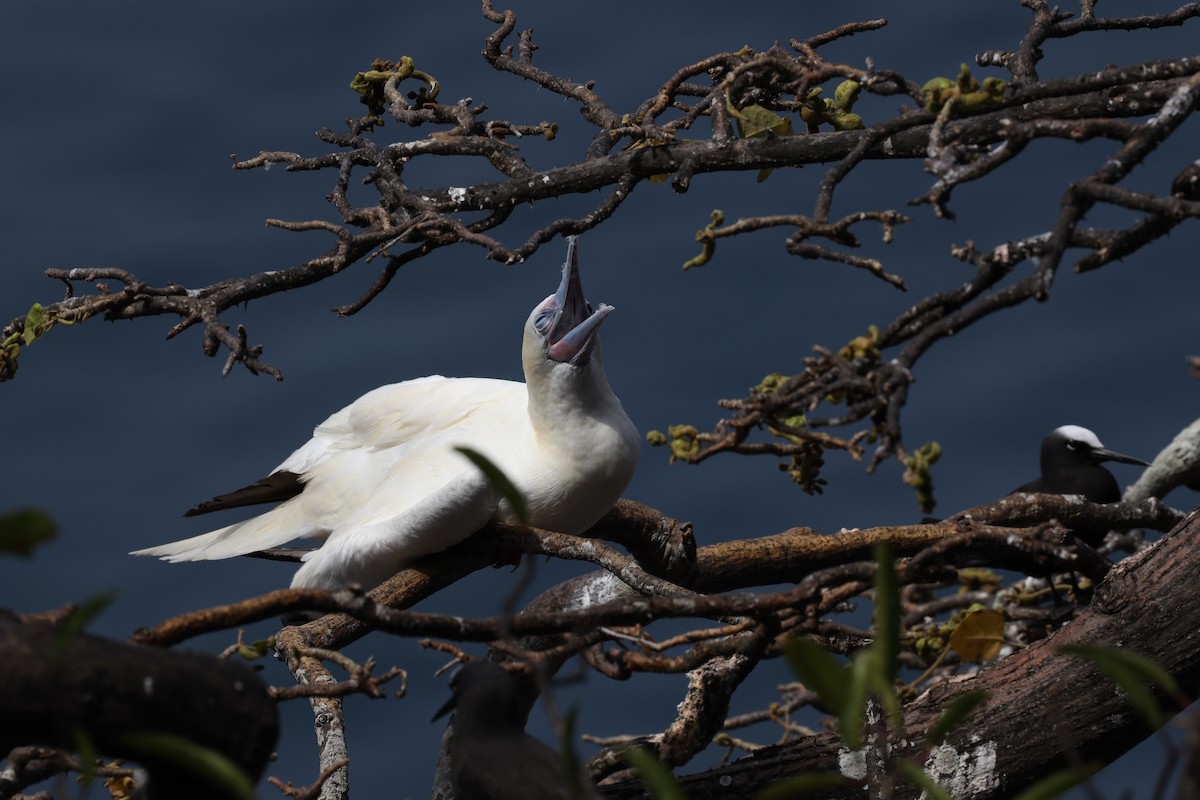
(374, 545)
(1037, 485)
(368, 464)
(402, 415)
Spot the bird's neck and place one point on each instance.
(565, 398)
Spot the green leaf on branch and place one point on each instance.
(35, 324)
(707, 239)
(683, 441)
(865, 348)
(918, 473)
(805, 466)
(755, 121)
(369, 84)
(817, 111)
(965, 91)
(770, 383)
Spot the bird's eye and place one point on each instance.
(1074, 444)
(542, 321)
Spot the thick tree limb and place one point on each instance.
(787, 557)
(56, 690)
(1177, 465)
(1037, 712)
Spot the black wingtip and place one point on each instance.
(293, 555)
(275, 488)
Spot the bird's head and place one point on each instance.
(1072, 443)
(564, 328)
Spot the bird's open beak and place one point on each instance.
(575, 326)
(1100, 454)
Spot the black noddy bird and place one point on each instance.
(491, 756)
(1071, 458)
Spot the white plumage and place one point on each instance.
(381, 482)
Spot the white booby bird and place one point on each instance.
(381, 483)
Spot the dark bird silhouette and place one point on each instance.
(491, 756)
(1071, 458)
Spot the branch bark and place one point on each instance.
(58, 691)
(1038, 711)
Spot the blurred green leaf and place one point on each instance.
(819, 670)
(85, 746)
(567, 750)
(658, 779)
(499, 481)
(954, 713)
(883, 689)
(887, 610)
(850, 716)
(21, 531)
(798, 785)
(1058, 783)
(259, 648)
(930, 788)
(226, 777)
(873, 670)
(886, 648)
(1131, 672)
(74, 623)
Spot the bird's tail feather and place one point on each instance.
(238, 539)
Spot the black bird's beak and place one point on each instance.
(1100, 454)
(446, 708)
